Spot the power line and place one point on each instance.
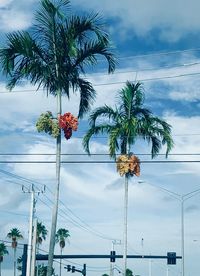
(160, 53)
(96, 162)
(117, 82)
(94, 154)
(68, 218)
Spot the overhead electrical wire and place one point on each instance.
(84, 225)
(121, 82)
(95, 161)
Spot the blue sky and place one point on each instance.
(157, 43)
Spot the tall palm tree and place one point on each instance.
(128, 121)
(3, 252)
(61, 235)
(54, 55)
(14, 235)
(41, 234)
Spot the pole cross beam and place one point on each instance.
(41, 257)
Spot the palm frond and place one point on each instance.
(87, 95)
(95, 130)
(114, 135)
(88, 54)
(85, 26)
(104, 111)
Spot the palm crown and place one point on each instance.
(55, 53)
(61, 235)
(41, 233)
(128, 121)
(3, 251)
(15, 235)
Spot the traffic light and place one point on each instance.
(112, 259)
(171, 258)
(84, 270)
(73, 269)
(68, 267)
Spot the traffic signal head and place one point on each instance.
(68, 267)
(112, 258)
(73, 269)
(171, 258)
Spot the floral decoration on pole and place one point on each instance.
(48, 124)
(68, 123)
(128, 164)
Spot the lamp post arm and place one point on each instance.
(191, 194)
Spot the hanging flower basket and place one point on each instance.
(50, 125)
(68, 123)
(128, 164)
(46, 123)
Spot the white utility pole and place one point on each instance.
(114, 242)
(33, 255)
(31, 218)
(150, 267)
(32, 213)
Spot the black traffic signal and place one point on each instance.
(112, 258)
(68, 267)
(73, 269)
(171, 258)
(84, 270)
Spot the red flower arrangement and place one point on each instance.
(68, 123)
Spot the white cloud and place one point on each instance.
(175, 19)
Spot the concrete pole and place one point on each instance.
(125, 225)
(32, 210)
(182, 237)
(111, 264)
(150, 267)
(33, 255)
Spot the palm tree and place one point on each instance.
(124, 124)
(14, 235)
(61, 235)
(3, 252)
(54, 55)
(41, 234)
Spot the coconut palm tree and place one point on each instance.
(128, 121)
(61, 235)
(14, 235)
(3, 252)
(54, 55)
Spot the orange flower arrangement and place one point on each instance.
(128, 164)
(68, 123)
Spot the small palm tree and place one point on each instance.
(55, 56)
(124, 124)
(61, 235)
(41, 234)
(3, 252)
(14, 235)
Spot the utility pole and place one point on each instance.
(33, 192)
(114, 242)
(33, 255)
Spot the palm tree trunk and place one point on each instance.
(56, 199)
(61, 262)
(14, 261)
(125, 224)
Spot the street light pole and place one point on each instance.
(182, 198)
(182, 236)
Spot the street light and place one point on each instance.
(182, 198)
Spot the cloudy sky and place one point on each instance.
(157, 43)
